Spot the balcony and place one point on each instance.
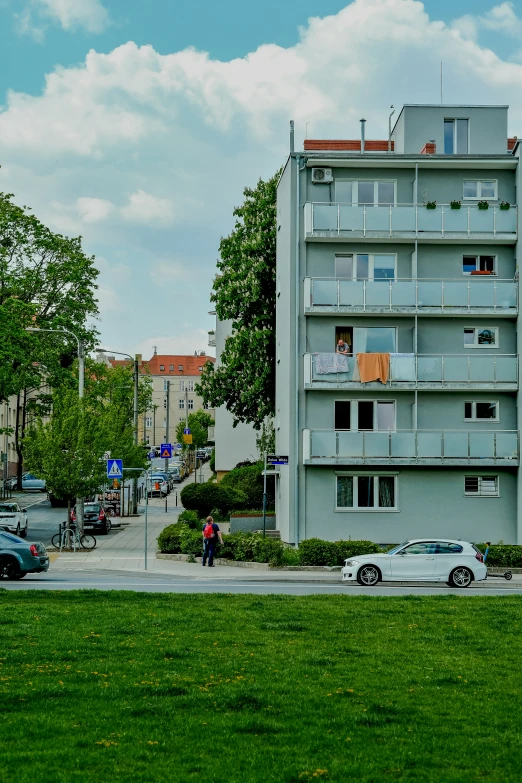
(473, 295)
(427, 372)
(409, 221)
(480, 448)
(212, 339)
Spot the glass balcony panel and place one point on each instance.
(482, 445)
(376, 444)
(429, 444)
(325, 217)
(455, 219)
(506, 294)
(506, 369)
(455, 445)
(403, 218)
(429, 368)
(507, 445)
(377, 219)
(323, 444)
(455, 293)
(403, 293)
(429, 293)
(402, 368)
(481, 368)
(481, 220)
(506, 220)
(403, 444)
(324, 292)
(482, 293)
(350, 444)
(455, 369)
(378, 293)
(351, 293)
(351, 218)
(429, 219)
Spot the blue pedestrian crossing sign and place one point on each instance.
(166, 450)
(186, 431)
(114, 468)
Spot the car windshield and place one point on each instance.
(9, 508)
(91, 507)
(396, 548)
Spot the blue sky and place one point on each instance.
(116, 125)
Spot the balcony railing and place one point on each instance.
(429, 295)
(426, 446)
(429, 371)
(407, 219)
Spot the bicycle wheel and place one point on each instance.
(56, 540)
(87, 541)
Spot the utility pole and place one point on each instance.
(186, 421)
(134, 478)
(167, 434)
(264, 498)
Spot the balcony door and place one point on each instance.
(365, 266)
(366, 193)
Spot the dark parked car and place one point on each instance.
(18, 558)
(94, 517)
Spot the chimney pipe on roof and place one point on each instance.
(363, 121)
(292, 147)
(390, 128)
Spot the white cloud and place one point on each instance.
(501, 18)
(183, 343)
(90, 15)
(132, 141)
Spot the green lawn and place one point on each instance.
(132, 687)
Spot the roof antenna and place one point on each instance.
(441, 81)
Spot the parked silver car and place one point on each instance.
(32, 484)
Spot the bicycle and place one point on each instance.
(70, 538)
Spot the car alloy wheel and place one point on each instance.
(368, 575)
(9, 569)
(461, 577)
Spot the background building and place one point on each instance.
(405, 250)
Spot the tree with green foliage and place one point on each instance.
(198, 423)
(244, 292)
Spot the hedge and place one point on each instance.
(191, 519)
(503, 555)
(249, 480)
(204, 498)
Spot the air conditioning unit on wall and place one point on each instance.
(322, 176)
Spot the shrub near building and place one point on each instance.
(204, 498)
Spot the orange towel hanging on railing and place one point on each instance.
(373, 366)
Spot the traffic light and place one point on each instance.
(164, 403)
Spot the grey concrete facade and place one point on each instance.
(435, 450)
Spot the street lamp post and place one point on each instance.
(135, 422)
(81, 384)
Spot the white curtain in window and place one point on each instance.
(345, 492)
(386, 492)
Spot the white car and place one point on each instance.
(13, 518)
(458, 563)
(157, 485)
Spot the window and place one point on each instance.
(365, 415)
(481, 486)
(481, 338)
(478, 411)
(445, 548)
(190, 386)
(200, 369)
(363, 492)
(171, 367)
(376, 339)
(472, 264)
(456, 137)
(166, 385)
(420, 548)
(190, 405)
(162, 367)
(180, 367)
(182, 385)
(148, 421)
(363, 266)
(367, 193)
(206, 406)
(480, 188)
(181, 405)
(181, 418)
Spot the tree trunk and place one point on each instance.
(19, 465)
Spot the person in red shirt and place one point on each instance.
(210, 534)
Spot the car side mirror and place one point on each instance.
(402, 552)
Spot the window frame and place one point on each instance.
(477, 257)
(479, 493)
(162, 368)
(371, 267)
(181, 404)
(148, 422)
(479, 196)
(473, 403)
(364, 509)
(354, 202)
(476, 330)
(354, 414)
(468, 140)
(190, 404)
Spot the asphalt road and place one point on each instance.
(159, 583)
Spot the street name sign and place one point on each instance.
(114, 468)
(274, 459)
(166, 450)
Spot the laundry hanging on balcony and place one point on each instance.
(327, 363)
(373, 367)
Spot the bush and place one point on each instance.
(249, 480)
(203, 498)
(503, 555)
(237, 546)
(315, 552)
(191, 542)
(212, 461)
(169, 540)
(267, 550)
(353, 548)
(191, 519)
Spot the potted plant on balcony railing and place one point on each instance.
(455, 204)
(483, 204)
(431, 205)
(504, 206)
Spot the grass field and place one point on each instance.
(126, 686)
